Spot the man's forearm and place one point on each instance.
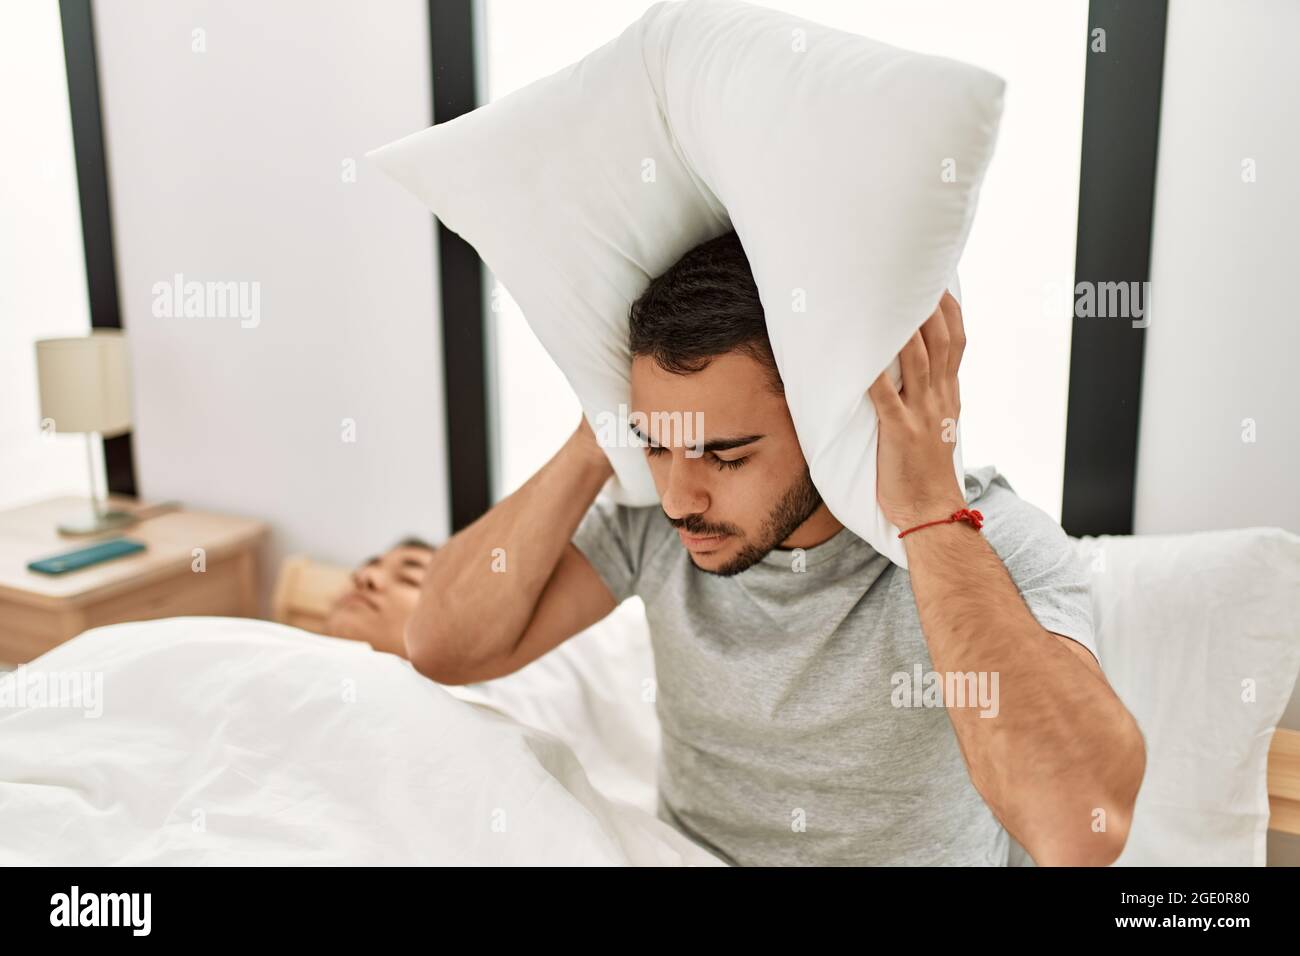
(1062, 756)
(481, 587)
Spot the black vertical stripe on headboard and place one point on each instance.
(1121, 120)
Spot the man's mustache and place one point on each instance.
(694, 524)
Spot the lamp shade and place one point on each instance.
(84, 383)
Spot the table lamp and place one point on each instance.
(84, 388)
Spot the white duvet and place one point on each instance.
(229, 741)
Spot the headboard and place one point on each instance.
(304, 592)
(1284, 781)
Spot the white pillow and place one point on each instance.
(829, 153)
(1183, 623)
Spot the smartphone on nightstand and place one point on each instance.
(85, 557)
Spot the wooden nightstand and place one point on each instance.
(39, 611)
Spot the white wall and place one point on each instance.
(228, 164)
(42, 265)
(1224, 339)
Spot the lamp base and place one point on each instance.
(97, 523)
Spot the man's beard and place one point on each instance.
(794, 508)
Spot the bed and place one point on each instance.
(227, 741)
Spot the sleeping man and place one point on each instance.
(383, 594)
(818, 704)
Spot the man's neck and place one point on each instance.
(820, 527)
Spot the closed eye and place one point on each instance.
(654, 451)
(724, 464)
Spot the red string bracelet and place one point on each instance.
(974, 518)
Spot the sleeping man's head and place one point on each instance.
(700, 353)
(383, 595)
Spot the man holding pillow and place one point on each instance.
(812, 694)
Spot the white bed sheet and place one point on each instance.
(229, 741)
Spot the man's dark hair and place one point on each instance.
(704, 306)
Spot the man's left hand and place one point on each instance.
(915, 478)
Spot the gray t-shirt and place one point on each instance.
(781, 741)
